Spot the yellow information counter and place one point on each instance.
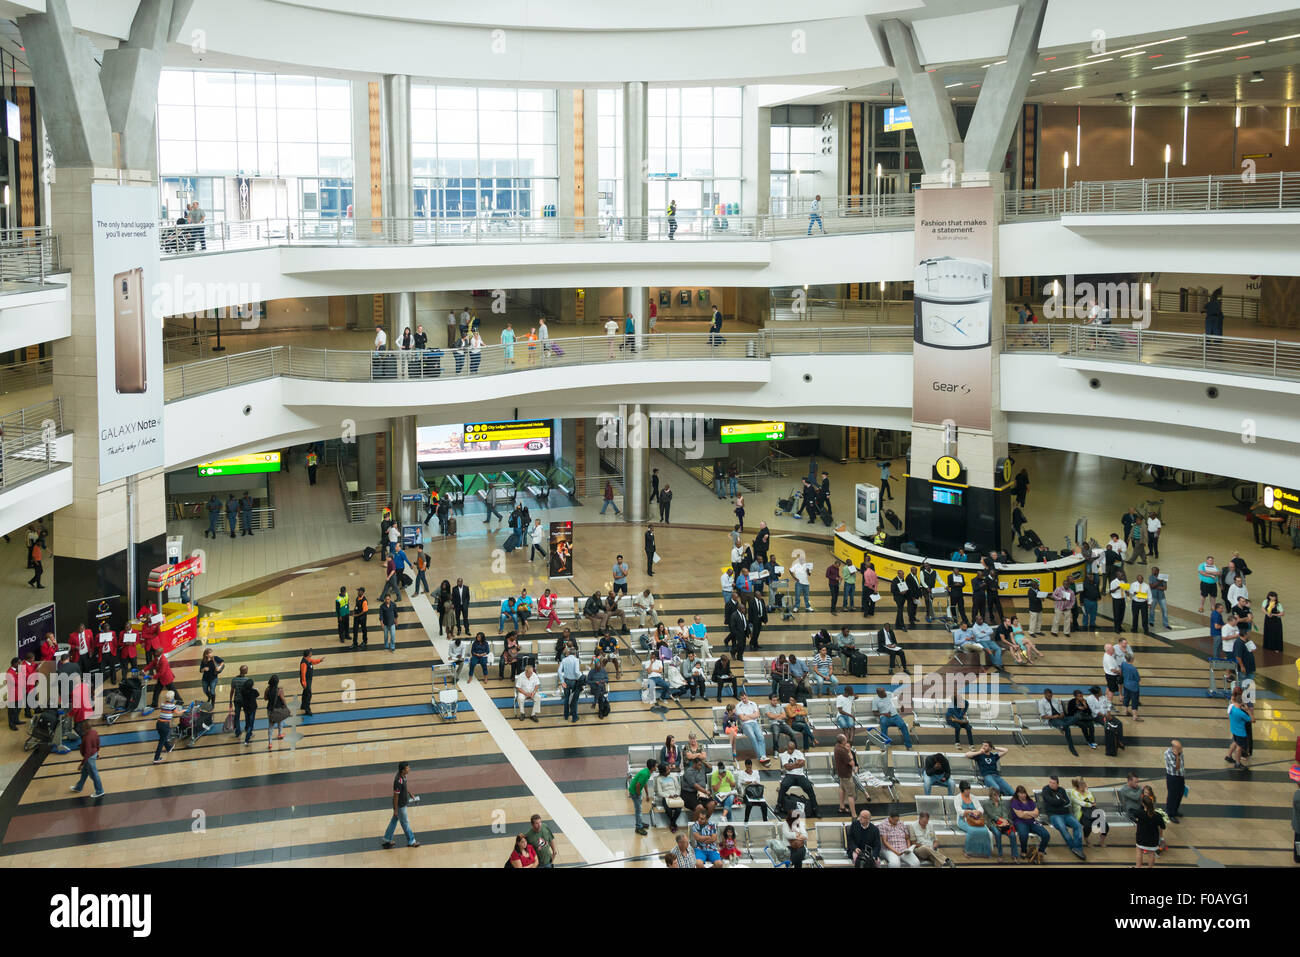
(1016, 580)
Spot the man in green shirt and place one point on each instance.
(539, 835)
(723, 785)
(637, 789)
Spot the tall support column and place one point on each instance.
(636, 186)
(398, 198)
(635, 299)
(933, 121)
(402, 462)
(756, 156)
(636, 464)
(997, 111)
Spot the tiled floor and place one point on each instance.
(320, 797)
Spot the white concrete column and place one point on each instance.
(756, 154)
(635, 300)
(636, 466)
(403, 464)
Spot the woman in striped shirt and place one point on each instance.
(164, 726)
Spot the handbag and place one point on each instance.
(674, 802)
(755, 792)
(975, 818)
(229, 724)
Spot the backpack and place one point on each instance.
(250, 695)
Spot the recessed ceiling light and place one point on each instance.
(1140, 45)
(1039, 73)
(1138, 53)
(951, 85)
(1289, 36)
(1079, 87)
(1166, 66)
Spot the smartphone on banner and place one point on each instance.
(129, 331)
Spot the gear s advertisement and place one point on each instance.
(952, 359)
(128, 332)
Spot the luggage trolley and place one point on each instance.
(445, 697)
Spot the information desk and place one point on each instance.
(180, 626)
(1015, 580)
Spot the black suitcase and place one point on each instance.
(785, 691)
(826, 518)
(407, 580)
(527, 659)
(1114, 735)
(892, 517)
(367, 553)
(857, 664)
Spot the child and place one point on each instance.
(727, 845)
(731, 727)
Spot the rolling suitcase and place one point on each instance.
(367, 553)
(857, 664)
(1114, 736)
(785, 691)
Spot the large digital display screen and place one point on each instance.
(897, 118)
(946, 496)
(476, 443)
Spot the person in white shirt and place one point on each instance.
(744, 779)
(381, 339)
(795, 769)
(1098, 704)
(747, 712)
(458, 657)
(452, 333)
(1139, 594)
(543, 334)
(1110, 662)
(844, 712)
(1153, 535)
(611, 331)
(1227, 637)
(1118, 589)
(728, 584)
(526, 690)
(1237, 590)
(924, 843)
(800, 571)
(644, 605)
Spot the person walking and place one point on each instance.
(654, 481)
(885, 492)
(672, 218)
(306, 670)
(163, 726)
(89, 755)
(277, 712)
(311, 466)
(421, 566)
(388, 619)
(243, 698)
(815, 215)
(536, 536)
(401, 800)
(38, 567)
(460, 607)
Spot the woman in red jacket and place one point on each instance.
(163, 678)
(126, 650)
(49, 647)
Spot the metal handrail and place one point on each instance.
(1234, 307)
(1212, 193)
(28, 255)
(28, 374)
(1222, 354)
(27, 442)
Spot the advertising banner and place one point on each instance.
(32, 625)
(128, 334)
(952, 359)
(561, 557)
(106, 614)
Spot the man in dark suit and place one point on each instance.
(650, 548)
(914, 589)
(761, 542)
(898, 590)
(929, 579)
(757, 617)
(739, 634)
(460, 606)
(824, 499)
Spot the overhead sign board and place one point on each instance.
(751, 432)
(897, 118)
(241, 464)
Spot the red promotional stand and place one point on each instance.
(175, 624)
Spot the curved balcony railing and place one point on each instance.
(340, 365)
(1257, 357)
(846, 215)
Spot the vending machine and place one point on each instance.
(866, 514)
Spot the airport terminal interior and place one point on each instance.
(625, 436)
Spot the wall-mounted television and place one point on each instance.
(476, 444)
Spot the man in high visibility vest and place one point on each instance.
(672, 218)
(343, 612)
(311, 466)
